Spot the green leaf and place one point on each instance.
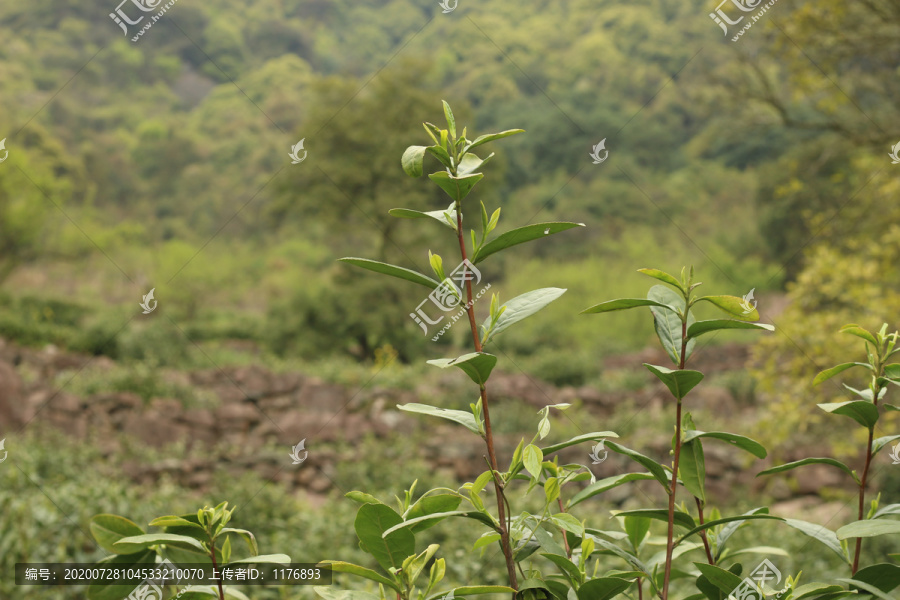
(451, 122)
(595, 436)
(878, 444)
(412, 160)
(732, 305)
(108, 590)
(868, 528)
(470, 163)
(551, 489)
(490, 137)
(532, 458)
(726, 581)
(136, 543)
(392, 270)
(410, 523)
(456, 187)
(429, 505)
(477, 365)
(373, 520)
(744, 443)
(602, 588)
(637, 529)
(884, 576)
(247, 536)
(809, 461)
(565, 565)
(603, 485)
(821, 534)
(473, 590)
(829, 373)
(486, 539)
(729, 529)
(362, 497)
(692, 469)
(329, 593)
(656, 469)
(440, 153)
(679, 381)
(109, 529)
(173, 521)
(521, 307)
(701, 327)
(520, 236)
(864, 413)
(438, 215)
(462, 417)
(567, 522)
(815, 590)
(270, 559)
(859, 332)
(621, 304)
(668, 324)
(735, 519)
(682, 519)
(345, 567)
(663, 276)
(866, 587)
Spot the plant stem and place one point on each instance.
(563, 531)
(640, 589)
(670, 536)
(212, 555)
(488, 434)
(862, 498)
(709, 555)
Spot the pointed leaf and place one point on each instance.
(373, 520)
(451, 122)
(477, 365)
(484, 139)
(456, 187)
(692, 469)
(868, 528)
(409, 524)
(438, 215)
(668, 324)
(744, 443)
(864, 413)
(520, 236)
(884, 576)
(879, 443)
(735, 519)
(732, 305)
(859, 332)
(701, 327)
(473, 590)
(871, 589)
(338, 566)
(392, 270)
(679, 381)
(662, 276)
(439, 153)
(109, 529)
(464, 418)
(595, 436)
(726, 532)
(821, 534)
(412, 160)
(470, 163)
(656, 469)
(136, 543)
(521, 307)
(602, 588)
(621, 304)
(829, 373)
(682, 519)
(603, 485)
(268, 559)
(532, 459)
(430, 505)
(726, 581)
(247, 536)
(809, 461)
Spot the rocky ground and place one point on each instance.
(259, 415)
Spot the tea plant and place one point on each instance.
(200, 538)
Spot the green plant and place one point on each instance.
(880, 348)
(200, 538)
(391, 540)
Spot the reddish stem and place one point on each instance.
(670, 536)
(862, 498)
(212, 555)
(709, 555)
